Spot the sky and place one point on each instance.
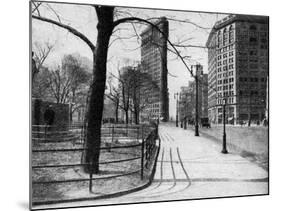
(127, 50)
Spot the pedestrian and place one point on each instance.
(49, 116)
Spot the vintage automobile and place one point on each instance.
(205, 122)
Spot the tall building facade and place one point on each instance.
(154, 62)
(238, 68)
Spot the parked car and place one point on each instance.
(205, 122)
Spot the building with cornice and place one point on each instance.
(238, 48)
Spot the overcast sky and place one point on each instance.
(83, 18)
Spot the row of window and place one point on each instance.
(247, 93)
(244, 79)
(229, 100)
(230, 67)
(225, 87)
(230, 60)
(226, 74)
(225, 81)
(224, 49)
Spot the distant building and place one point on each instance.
(186, 102)
(238, 68)
(187, 97)
(154, 62)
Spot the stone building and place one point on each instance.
(61, 113)
(154, 62)
(238, 68)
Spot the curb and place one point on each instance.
(111, 195)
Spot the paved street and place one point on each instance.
(191, 167)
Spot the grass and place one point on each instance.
(74, 190)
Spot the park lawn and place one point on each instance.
(76, 190)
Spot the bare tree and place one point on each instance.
(115, 96)
(105, 27)
(79, 81)
(39, 54)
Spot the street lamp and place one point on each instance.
(185, 104)
(176, 96)
(224, 150)
(197, 66)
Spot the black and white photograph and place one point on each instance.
(133, 105)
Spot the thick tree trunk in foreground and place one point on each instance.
(93, 134)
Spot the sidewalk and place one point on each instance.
(223, 174)
(204, 158)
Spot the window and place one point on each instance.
(253, 40)
(253, 52)
(253, 28)
(231, 34)
(224, 36)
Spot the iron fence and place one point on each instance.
(135, 143)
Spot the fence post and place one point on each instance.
(142, 158)
(142, 155)
(45, 134)
(91, 178)
(138, 134)
(112, 139)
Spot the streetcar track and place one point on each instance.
(174, 180)
(173, 170)
(162, 182)
(146, 192)
(184, 170)
(165, 138)
(161, 170)
(171, 137)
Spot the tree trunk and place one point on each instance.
(93, 134)
(136, 115)
(127, 116)
(116, 113)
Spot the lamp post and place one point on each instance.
(185, 95)
(197, 66)
(176, 96)
(224, 150)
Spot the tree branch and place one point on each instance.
(69, 28)
(133, 19)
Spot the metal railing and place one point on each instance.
(136, 143)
